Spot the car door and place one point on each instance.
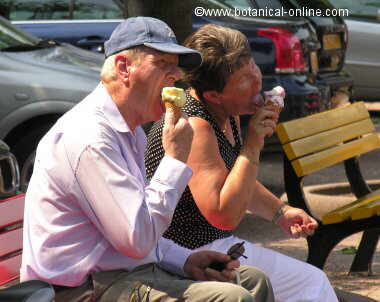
(84, 23)
(363, 53)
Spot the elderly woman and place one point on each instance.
(224, 185)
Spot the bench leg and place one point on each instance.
(327, 236)
(320, 246)
(364, 256)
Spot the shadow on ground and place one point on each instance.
(353, 288)
(351, 297)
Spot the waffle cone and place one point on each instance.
(175, 109)
(273, 106)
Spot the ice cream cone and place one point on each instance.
(273, 106)
(175, 109)
(174, 99)
(274, 99)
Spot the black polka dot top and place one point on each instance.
(188, 227)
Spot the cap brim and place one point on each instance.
(188, 58)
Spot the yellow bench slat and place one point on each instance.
(327, 139)
(319, 122)
(369, 210)
(345, 212)
(329, 157)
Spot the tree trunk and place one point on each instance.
(176, 13)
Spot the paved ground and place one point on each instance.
(353, 288)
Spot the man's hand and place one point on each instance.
(177, 137)
(196, 266)
(297, 223)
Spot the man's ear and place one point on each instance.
(212, 96)
(121, 66)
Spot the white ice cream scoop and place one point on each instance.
(275, 98)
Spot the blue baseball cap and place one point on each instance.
(152, 33)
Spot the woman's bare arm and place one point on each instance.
(223, 196)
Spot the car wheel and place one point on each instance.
(24, 150)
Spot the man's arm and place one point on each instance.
(130, 215)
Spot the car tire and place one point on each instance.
(24, 150)
(26, 172)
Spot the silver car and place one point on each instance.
(363, 53)
(39, 81)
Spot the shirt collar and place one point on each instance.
(111, 111)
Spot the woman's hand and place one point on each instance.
(261, 125)
(297, 223)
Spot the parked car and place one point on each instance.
(83, 23)
(39, 81)
(363, 53)
(288, 50)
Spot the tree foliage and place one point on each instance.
(176, 13)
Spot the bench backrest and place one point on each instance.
(11, 217)
(324, 139)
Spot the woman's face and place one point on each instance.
(241, 89)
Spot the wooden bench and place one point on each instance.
(319, 141)
(12, 210)
(11, 217)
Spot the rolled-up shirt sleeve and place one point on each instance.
(131, 215)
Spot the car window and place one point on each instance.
(361, 9)
(96, 9)
(38, 10)
(22, 10)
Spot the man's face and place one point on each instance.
(154, 71)
(241, 89)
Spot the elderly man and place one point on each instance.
(93, 224)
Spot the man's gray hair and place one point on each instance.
(108, 73)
